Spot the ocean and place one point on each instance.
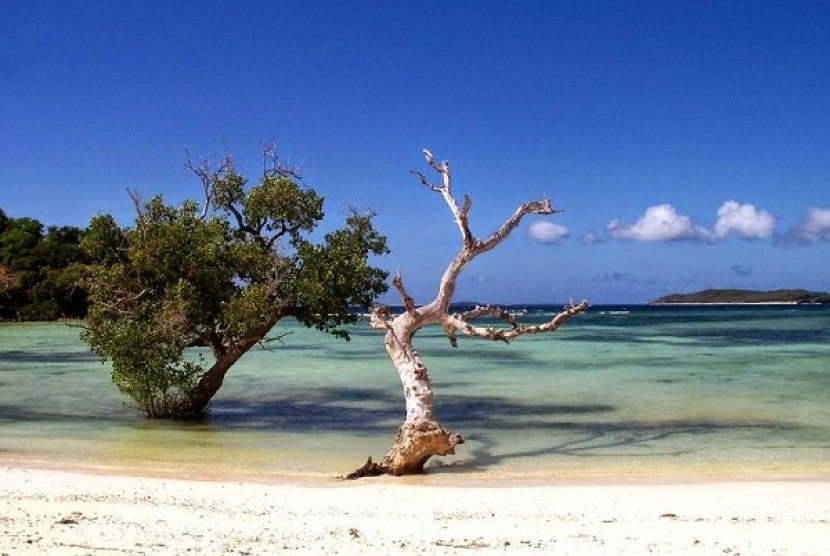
(634, 391)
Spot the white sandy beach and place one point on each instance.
(63, 513)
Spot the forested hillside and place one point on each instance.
(714, 296)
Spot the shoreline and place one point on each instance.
(450, 475)
(49, 511)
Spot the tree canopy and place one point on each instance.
(219, 276)
(39, 272)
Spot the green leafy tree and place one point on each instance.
(39, 273)
(18, 248)
(219, 276)
(18, 263)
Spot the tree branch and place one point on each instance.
(408, 302)
(278, 338)
(461, 215)
(207, 176)
(379, 318)
(122, 305)
(272, 166)
(203, 172)
(542, 206)
(425, 182)
(459, 323)
(135, 197)
(487, 310)
(472, 249)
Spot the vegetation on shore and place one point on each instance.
(40, 269)
(726, 296)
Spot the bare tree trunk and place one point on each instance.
(421, 436)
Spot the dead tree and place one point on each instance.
(421, 436)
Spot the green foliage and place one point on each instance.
(39, 273)
(185, 278)
(320, 288)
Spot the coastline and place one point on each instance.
(66, 512)
(440, 472)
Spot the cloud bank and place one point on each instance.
(664, 223)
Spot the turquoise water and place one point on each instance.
(642, 391)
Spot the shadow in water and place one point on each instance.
(11, 413)
(364, 410)
(47, 357)
(605, 440)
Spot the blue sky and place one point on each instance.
(688, 142)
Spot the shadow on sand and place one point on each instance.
(578, 430)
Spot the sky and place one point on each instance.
(687, 142)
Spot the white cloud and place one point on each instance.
(659, 223)
(547, 232)
(746, 220)
(815, 226)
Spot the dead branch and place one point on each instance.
(408, 302)
(542, 206)
(425, 182)
(369, 469)
(208, 176)
(457, 322)
(379, 317)
(479, 311)
(135, 197)
(489, 311)
(442, 168)
(278, 338)
(471, 247)
(273, 166)
(205, 175)
(461, 215)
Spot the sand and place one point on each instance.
(59, 512)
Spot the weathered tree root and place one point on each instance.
(369, 469)
(414, 445)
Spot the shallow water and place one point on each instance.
(651, 390)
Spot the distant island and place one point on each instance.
(744, 297)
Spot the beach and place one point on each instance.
(654, 430)
(73, 513)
